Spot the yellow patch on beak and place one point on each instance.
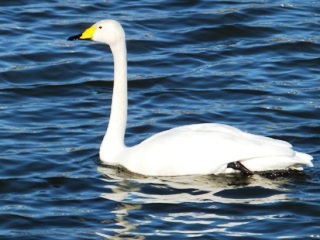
(88, 33)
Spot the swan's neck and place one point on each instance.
(113, 141)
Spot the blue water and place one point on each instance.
(250, 64)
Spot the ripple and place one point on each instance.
(253, 65)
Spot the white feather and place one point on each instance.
(193, 149)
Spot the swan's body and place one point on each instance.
(193, 149)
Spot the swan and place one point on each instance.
(198, 149)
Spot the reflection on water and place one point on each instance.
(175, 190)
(123, 225)
(175, 200)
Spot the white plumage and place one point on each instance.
(193, 149)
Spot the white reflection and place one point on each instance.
(190, 188)
(132, 192)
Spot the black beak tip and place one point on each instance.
(75, 37)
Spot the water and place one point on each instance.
(251, 64)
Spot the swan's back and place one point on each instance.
(207, 149)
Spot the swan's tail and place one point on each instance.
(304, 158)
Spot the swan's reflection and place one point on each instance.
(133, 192)
(190, 188)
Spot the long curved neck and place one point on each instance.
(113, 141)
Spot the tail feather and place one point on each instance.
(304, 158)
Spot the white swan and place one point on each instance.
(207, 148)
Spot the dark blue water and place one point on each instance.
(251, 64)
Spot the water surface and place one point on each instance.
(250, 64)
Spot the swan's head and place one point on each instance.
(104, 31)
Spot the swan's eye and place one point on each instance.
(100, 27)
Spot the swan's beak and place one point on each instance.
(86, 35)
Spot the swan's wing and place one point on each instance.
(205, 149)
